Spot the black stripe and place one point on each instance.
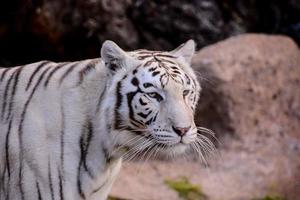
(62, 143)
(84, 143)
(69, 70)
(20, 184)
(134, 71)
(52, 73)
(5, 95)
(176, 72)
(79, 184)
(130, 96)
(152, 69)
(136, 124)
(7, 148)
(148, 63)
(29, 99)
(148, 122)
(2, 180)
(142, 102)
(38, 191)
(143, 115)
(61, 189)
(155, 73)
(154, 118)
(167, 61)
(14, 89)
(166, 77)
(38, 68)
(23, 114)
(99, 188)
(118, 104)
(4, 73)
(135, 81)
(164, 55)
(143, 57)
(50, 180)
(188, 79)
(90, 132)
(194, 83)
(90, 66)
(7, 163)
(106, 153)
(100, 100)
(7, 192)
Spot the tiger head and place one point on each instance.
(152, 98)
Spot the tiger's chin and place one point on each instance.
(175, 148)
(174, 151)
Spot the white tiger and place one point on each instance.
(65, 127)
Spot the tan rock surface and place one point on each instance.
(251, 99)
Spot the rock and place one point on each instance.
(253, 84)
(255, 96)
(62, 30)
(251, 99)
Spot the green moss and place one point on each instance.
(270, 197)
(185, 189)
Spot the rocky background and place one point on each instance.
(251, 83)
(60, 30)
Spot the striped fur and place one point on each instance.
(65, 127)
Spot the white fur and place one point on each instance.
(60, 112)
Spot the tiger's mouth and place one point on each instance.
(144, 146)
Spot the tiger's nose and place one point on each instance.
(181, 131)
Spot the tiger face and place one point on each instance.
(155, 98)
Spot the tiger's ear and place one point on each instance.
(113, 56)
(185, 51)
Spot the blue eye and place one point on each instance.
(155, 95)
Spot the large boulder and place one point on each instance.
(251, 85)
(251, 99)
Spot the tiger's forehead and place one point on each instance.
(162, 66)
(143, 54)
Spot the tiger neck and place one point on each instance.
(96, 141)
(98, 99)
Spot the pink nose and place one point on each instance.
(181, 131)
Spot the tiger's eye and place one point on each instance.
(185, 92)
(155, 95)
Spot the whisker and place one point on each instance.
(201, 77)
(137, 149)
(136, 144)
(133, 150)
(208, 149)
(208, 146)
(154, 148)
(125, 128)
(157, 150)
(210, 132)
(149, 149)
(198, 148)
(130, 142)
(143, 152)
